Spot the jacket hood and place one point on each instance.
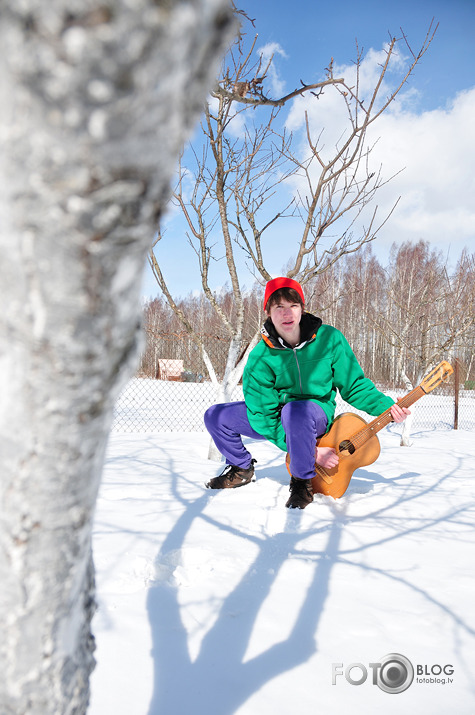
(309, 326)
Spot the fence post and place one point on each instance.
(456, 389)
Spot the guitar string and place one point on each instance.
(384, 419)
(362, 436)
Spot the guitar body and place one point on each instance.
(341, 431)
(334, 482)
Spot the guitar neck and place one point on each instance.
(432, 379)
(385, 418)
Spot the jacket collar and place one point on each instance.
(309, 325)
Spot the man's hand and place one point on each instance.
(398, 413)
(327, 457)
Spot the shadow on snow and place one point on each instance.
(219, 680)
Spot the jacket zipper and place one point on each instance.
(298, 369)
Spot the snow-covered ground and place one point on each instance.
(227, 603)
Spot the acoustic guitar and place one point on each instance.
(355, 440)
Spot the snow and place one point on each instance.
(225, 602)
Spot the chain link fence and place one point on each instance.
(169, 405)
(172, 390)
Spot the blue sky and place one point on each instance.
(430, 134)
(312, 32)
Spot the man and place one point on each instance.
(289, 384)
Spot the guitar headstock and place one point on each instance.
(436, 376)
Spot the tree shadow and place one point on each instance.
(220, 678)
(217, 683)
(364, 481)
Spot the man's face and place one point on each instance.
(286, 318)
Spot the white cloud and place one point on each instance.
(328, 115)
(273, 81)
(437, 186)
(435, 148)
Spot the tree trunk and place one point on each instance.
(96, 103)
(407, 424)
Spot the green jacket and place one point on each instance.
(322, 363)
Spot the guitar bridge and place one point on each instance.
(320, 472)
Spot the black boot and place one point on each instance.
(233, 477)
(301, 493)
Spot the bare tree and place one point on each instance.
(428, 311)
(246, 177)
(96, 103)
(460, 312)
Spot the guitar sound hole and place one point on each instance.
(347, 446)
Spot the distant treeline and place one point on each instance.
(399, 318)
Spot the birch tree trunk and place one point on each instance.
(96, 101)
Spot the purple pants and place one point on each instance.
(303, 421)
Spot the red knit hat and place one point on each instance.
(282, 282)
